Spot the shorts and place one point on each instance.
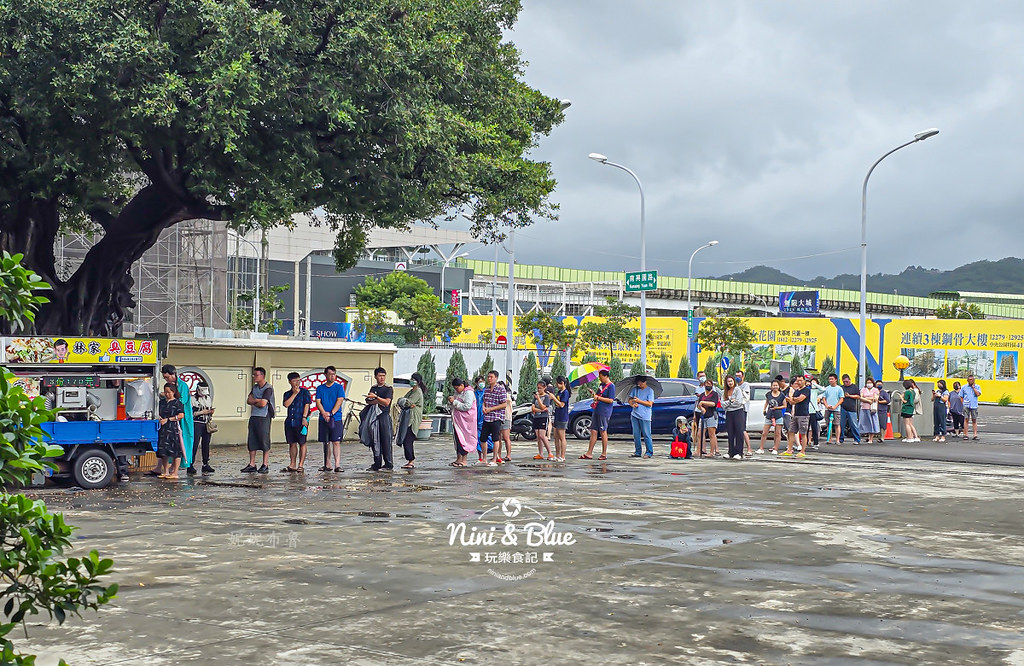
(540, 424)
(802, 424)
(787, 422)
(293, 435)
(709, 422)
(330, 431)
(493, 430)
(971, 413)
(506, 425)
(599, 422)
(259, 433)
(561, 425)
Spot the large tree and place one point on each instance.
(549, 332)
(127, 117)
(614, 330)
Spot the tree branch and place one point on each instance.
(332, 21)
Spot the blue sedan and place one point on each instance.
(678, 399)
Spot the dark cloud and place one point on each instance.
(755, 122)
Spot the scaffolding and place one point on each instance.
(180, 283)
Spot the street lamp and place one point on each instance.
(862, 356)
(256, 303)
(445, 265)
(598, 157)
(763, 300)
(960, 308)
(689, 292)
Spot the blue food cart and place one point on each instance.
(104, 391)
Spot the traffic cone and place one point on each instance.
(888, 430)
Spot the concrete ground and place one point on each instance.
(834, 559)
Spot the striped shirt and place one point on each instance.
(493, 396)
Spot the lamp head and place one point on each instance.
(712, 243)
(564, 104)
(598, 157)
(921, 136)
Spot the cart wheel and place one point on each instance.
(93, 469)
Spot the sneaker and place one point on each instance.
(208, 470)
(492, 464)
(371, 468)
(774, 452)
(737, 457)
(191, 471)
(264, 469)
(759, 451)
(798, 447)
(249, 468)
(387, 468)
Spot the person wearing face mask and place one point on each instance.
(868, 411)
(479, 386)
(705, 421)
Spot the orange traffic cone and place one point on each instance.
(888, 430)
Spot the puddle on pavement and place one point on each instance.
(374, 514)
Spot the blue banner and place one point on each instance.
(798, 302)
(325, 330)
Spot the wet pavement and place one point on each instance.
(834, 559)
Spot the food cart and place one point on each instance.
(104, 391)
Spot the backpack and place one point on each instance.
(680, 444)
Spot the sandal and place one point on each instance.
(300, 470)
(602, 457)
(409, 465)
(324, 469)
(586, 457)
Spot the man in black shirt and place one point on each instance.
(799, 399)
(850, 411)
(378, 434)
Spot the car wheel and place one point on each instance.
(580, 427)
(93, 469)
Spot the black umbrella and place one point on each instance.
(626, 384)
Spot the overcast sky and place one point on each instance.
(754, 123)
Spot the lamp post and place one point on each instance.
(763, 300)
(960, 308)
(445, 265)
(256, 302)
(862, 367)
(689, 292)
(598, 157)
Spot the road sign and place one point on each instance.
(642, 281)
(401, 266)
(725, 363)
(689, 324)
(502, 340)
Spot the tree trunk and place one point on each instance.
(95, 299)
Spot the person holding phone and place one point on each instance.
(297, 401)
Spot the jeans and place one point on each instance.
(846, 416)
(642, 428)
(939, 412)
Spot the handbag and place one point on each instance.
(211, 426)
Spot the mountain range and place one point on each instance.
(1005, 276)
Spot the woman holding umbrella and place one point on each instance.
(641, 399)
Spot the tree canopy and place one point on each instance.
(959, 311)
(614, 330)
(382, 293)
(125, 118)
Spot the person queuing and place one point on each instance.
(169, 448)
(813, 427)
(298, 402)
(561, 421)
(330, 396)
(907, 411)
(411, 405)
(170, 374)
(833, 399)
(202, 412)
(883, 410)
(850, 413)
(734, 404)
(601, 412)
(799, 399)
(464, 420)
(540, 411)
(705, 422)
(774, 406)
(261, 412)
(940, 405)
(495, 402)
(744, 388)
(956, 410)
(479, 386)
(641, 399)
(970, 392)
(375, 423)
(868, 422)
(506, 429)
